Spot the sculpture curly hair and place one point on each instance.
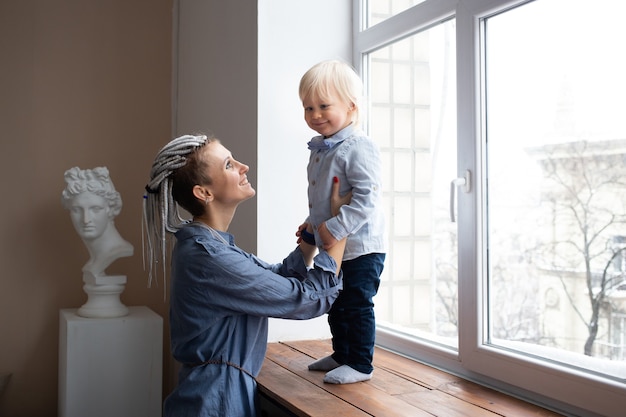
(96, 181)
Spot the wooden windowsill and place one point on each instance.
(399, 387)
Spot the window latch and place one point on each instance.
(464, 182)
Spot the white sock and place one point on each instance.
(324, 364)
(346, 375)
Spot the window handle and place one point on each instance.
(457, 182)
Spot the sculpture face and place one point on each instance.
(90, 215)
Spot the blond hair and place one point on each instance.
(330, 77)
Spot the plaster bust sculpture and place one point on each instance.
(93, 203)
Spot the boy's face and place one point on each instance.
(327, 115)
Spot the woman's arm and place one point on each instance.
(308, 250)
(336, 201)
(336, 252)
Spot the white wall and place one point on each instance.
(242, 83)
(293, 36)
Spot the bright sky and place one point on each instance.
(556, 70)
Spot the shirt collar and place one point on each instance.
(319, 142)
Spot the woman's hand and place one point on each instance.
(336, 201)
(332, 246)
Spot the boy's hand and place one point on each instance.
(302, 229)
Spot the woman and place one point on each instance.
(221, 297)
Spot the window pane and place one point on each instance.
(379, 10)
(413, 118)
(556, 153)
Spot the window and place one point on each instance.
(413, 118)
(379, 10)
(508, 118)
(552, 232)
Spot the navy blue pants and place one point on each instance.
(351, 318)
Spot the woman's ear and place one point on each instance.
(202, 193)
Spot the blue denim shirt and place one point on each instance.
(355, 159)
(220, 301)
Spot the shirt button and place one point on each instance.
(310, 205)
(317, 159)
(313, 182)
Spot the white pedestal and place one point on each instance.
(110, 367)
(103, 296)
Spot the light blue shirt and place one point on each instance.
(221, 298)
(355, 159)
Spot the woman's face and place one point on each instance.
(90, 215)
(230, 184)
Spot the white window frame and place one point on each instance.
(554, 386)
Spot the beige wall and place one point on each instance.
(215, 87)
(82, 83)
